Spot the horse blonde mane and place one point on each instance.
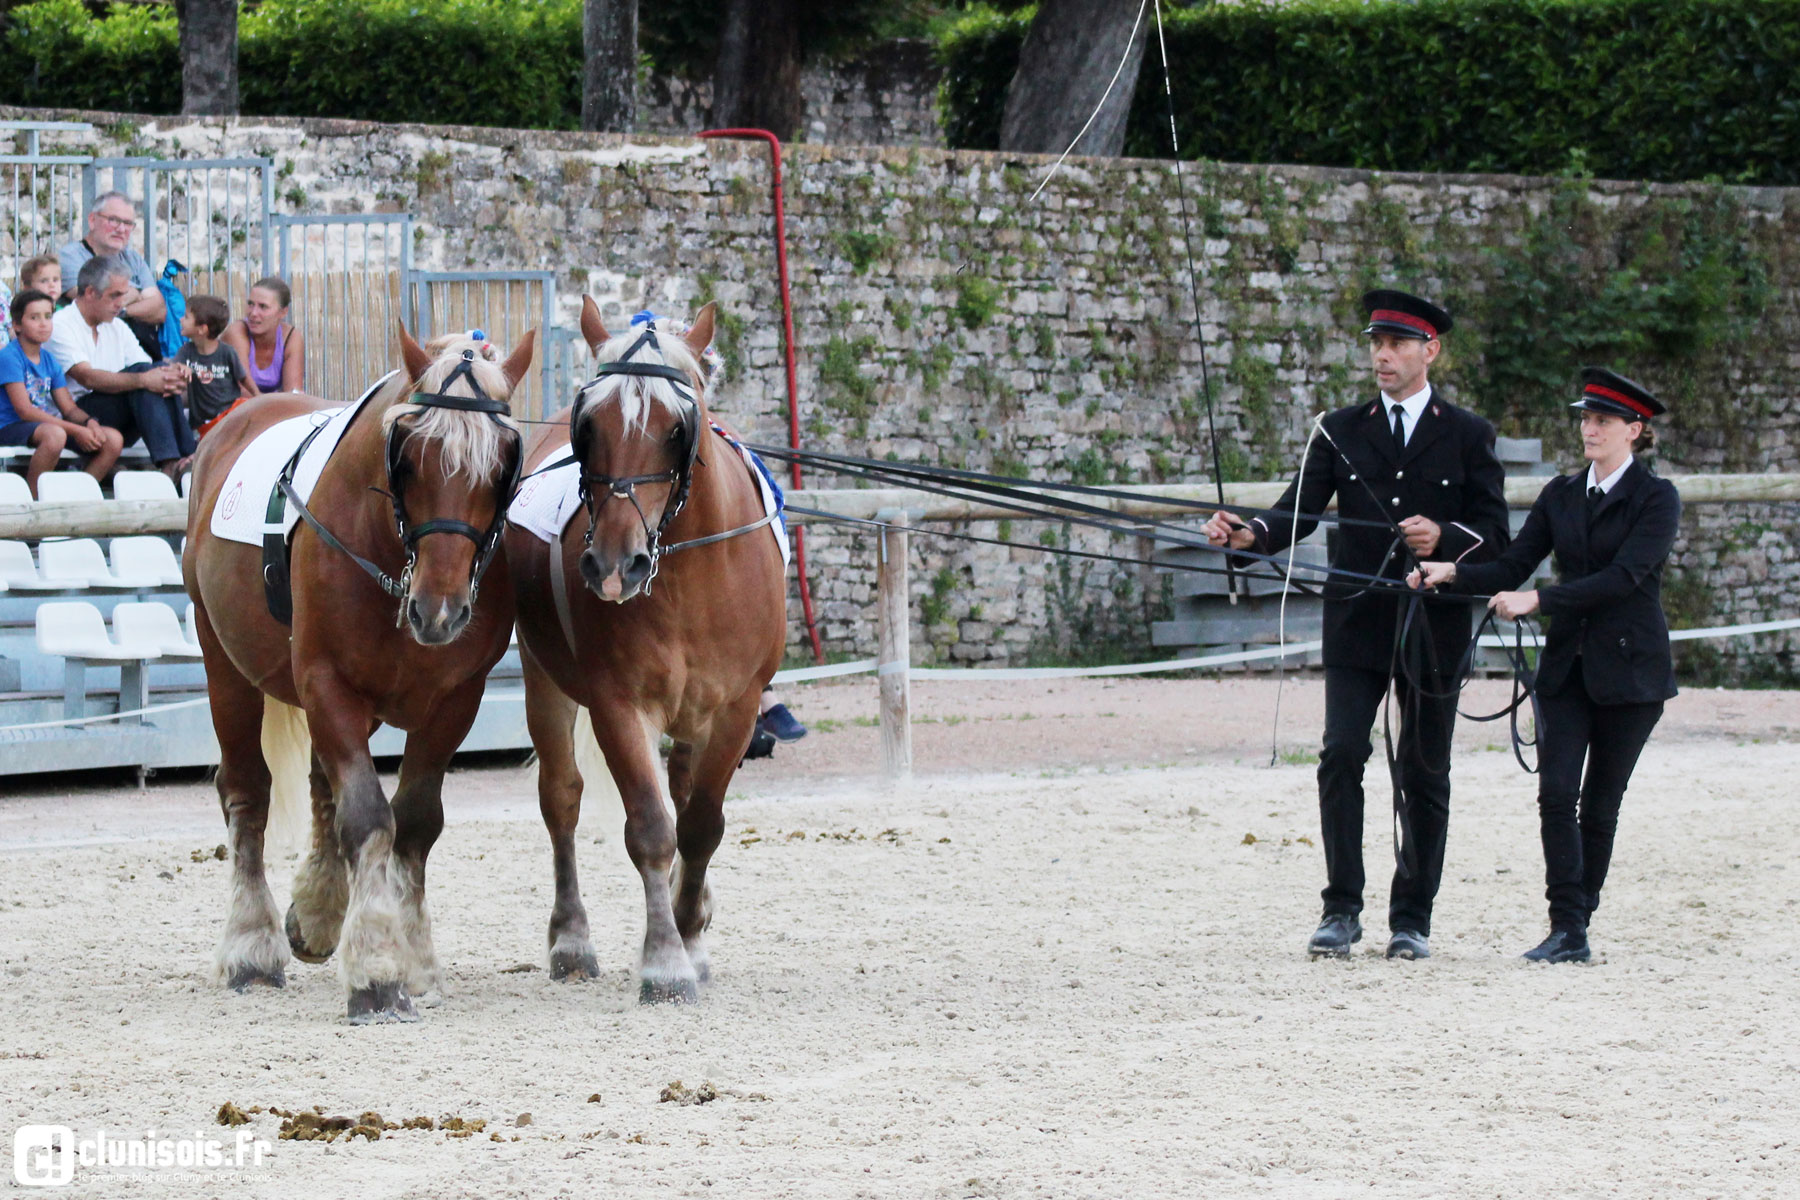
(636, 393)
(469, 442)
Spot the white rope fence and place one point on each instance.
(869, 666)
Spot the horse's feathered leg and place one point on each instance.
(373, 952)
(419, 819)
(665, 971)
(252, 949)
(701, 822)
(315, 917)
(550, 716)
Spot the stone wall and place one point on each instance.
(944, 315)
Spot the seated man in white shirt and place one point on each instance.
(110, 376)
(110, 224)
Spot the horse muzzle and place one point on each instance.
(437, 621)
(616, 579)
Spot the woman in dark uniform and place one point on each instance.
(1606, 668)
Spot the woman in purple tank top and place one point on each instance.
(273, 351)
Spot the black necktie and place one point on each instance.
(1399, 429)
(1594, 496)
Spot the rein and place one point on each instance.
(487, 541)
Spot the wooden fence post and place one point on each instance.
(895, 656)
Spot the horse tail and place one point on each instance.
(602, 808)
(287, 749)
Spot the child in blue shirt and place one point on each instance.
(40, 412)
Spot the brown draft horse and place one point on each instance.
(681, 645)
(420, 459)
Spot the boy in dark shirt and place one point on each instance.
(217, 381)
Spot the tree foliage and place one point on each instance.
(1634, 89)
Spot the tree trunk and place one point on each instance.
(609, 39)
(1068, 58)
(208, 32)
(757, 82)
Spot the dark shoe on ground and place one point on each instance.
(1561, 946)
(1405, 943)
(762, 745)
(781, 724)
(1335, 935)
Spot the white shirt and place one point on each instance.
(1412, 408)
(1607, 484)
(112, 347)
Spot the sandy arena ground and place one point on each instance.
(1065, 962)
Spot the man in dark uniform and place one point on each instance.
(1420, 476)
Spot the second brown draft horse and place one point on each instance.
(646, 617)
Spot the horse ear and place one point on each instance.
(519, 361)
(593, 331)
(700, 335)
(413, 355)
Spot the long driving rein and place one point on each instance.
(487, 541)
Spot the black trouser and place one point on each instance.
(1579, 817)
(159, 420)
(1352, 702)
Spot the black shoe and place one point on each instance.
(1405, 943)
(781, 724)
(762, 745)
(1335, 935)
(1561, 946)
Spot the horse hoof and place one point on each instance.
(297, 941)
(668, 991)
(381, 1004)
(574, 966)
(243, 978)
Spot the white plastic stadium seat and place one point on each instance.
(80, 559)
(145, 558)
(14, 489)
(151, 624)
(187, 484)
(75, 631)
(16, 564)
(57, 487)
(143, 485)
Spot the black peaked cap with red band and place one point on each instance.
(1609, 392)
(1404, 315)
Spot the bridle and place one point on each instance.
(487, 541)
(595, 489)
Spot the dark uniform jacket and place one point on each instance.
(1447, 472)
(1607, 603)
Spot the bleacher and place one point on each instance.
(96, 626)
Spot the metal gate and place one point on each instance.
(211, 215)
(504, 305)
(45, 194)
(349, 278)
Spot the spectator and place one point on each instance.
(273, 351)
(110, 224)
(45, 274)
(217, 382)
(42, 414)
(110, 376)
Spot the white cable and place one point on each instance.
(1287, 585)
(1129, 43)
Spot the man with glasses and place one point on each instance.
(112, 223)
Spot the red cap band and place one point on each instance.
(1395, 316)
(1636, 406)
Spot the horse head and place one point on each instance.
(635, 432)
(453, 458)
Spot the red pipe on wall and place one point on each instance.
(787, 342)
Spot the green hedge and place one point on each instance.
(512, 63)
(1631, 89)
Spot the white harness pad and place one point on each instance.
(244, 500)
(546, 503)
